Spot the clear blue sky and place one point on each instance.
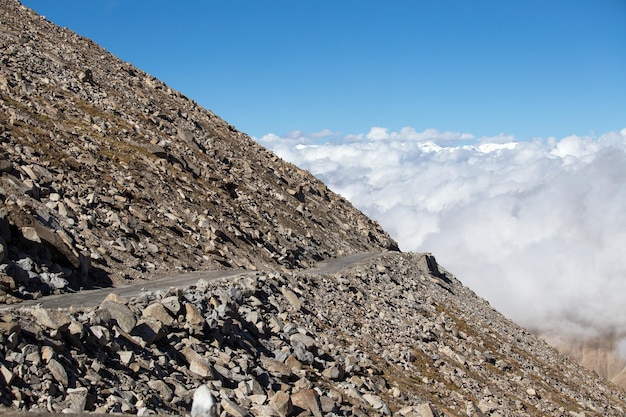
(522, 67)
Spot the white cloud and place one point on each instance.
(538, 227)
(326, 133)
(410, 134)
(378, 133)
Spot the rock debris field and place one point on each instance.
(396, 335)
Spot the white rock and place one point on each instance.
(204, 404)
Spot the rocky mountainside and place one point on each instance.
(396, 335)
(108, 175)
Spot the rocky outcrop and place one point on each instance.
(108, 175)
(386, 337)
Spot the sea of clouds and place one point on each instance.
(536, 227)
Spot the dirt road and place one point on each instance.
(88, 298)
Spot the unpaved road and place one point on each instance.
(88, 298)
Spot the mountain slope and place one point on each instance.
(395, 335)
(109, 175)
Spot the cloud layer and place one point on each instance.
(538, 227)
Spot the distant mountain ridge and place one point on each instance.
(109, 175)
(601, 354)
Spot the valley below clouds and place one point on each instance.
(536, 227)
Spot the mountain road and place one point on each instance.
(87, 298)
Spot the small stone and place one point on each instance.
(7, 283)
(254, 387)
(327, 404)
(258, 399)
(302, 383)
(293, 363)
(281, 402)
(276, 368)
(158, 312)
(374, 400)
(424, 410)
(30, 233)
(76, 328)
(165, 392)
(47, 353)
(76, 399)
(200, 367)
(5, 166)
(292, 298)
(263, 411)
(171, 303)
(307, 400)
(226, 373)
(204, 403)
(126, 356)
(121, 313)
(100, 334)
(334, 373)
(190, 354)
(52, 319)
(145, 411)
(193, 315)
(6, 374)
(233, 409)
(58, 372)
(149, 330)
(307, 341)
(8, 324)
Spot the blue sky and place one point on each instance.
(527, 68)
